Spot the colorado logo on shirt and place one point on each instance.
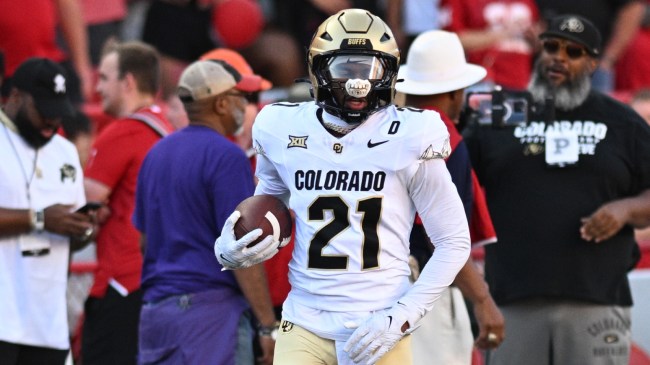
(340, 180)
(68, 172)
(589, 133)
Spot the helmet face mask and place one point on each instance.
(353, 61)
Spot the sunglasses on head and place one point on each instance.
(574, 52)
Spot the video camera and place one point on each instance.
(501, 109)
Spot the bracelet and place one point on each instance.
(269, 331)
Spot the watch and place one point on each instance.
(269, 331)
(37, 220)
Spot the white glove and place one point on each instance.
(377, 335)
(233, 254)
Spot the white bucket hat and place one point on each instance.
(436, 64)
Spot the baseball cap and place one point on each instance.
(45, 81)
(577, 29)
(239, 63)
(203, 79)
(436, 64)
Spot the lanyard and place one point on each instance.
(35, 171)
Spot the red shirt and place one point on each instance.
(27, 29)
(277, 273)
(509, 61)
(633, 66)
(103, 11)
(115, 161)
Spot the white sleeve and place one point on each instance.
(441, 210)
(269, 181)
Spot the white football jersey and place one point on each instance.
(355, 199)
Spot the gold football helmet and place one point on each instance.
(353, 61)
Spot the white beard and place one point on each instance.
(238, 115)
(569, 95)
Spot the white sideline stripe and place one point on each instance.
(275, 224)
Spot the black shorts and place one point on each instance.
(110, 329)
(11, 353)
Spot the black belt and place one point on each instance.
(36, 253)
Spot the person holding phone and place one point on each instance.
(41, 186)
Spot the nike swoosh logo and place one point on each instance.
(371, 145)
(225, 259)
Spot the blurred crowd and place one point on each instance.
(266, 40)
(272, 36)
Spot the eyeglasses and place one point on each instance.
(573, 51)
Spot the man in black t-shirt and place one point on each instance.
(565, 193)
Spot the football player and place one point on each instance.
(354, 168)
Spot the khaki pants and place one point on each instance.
(445, 333)
(297, 346)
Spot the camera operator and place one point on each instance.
(564, 198)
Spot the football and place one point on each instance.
(268, 213)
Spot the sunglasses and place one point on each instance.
(573, 51)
